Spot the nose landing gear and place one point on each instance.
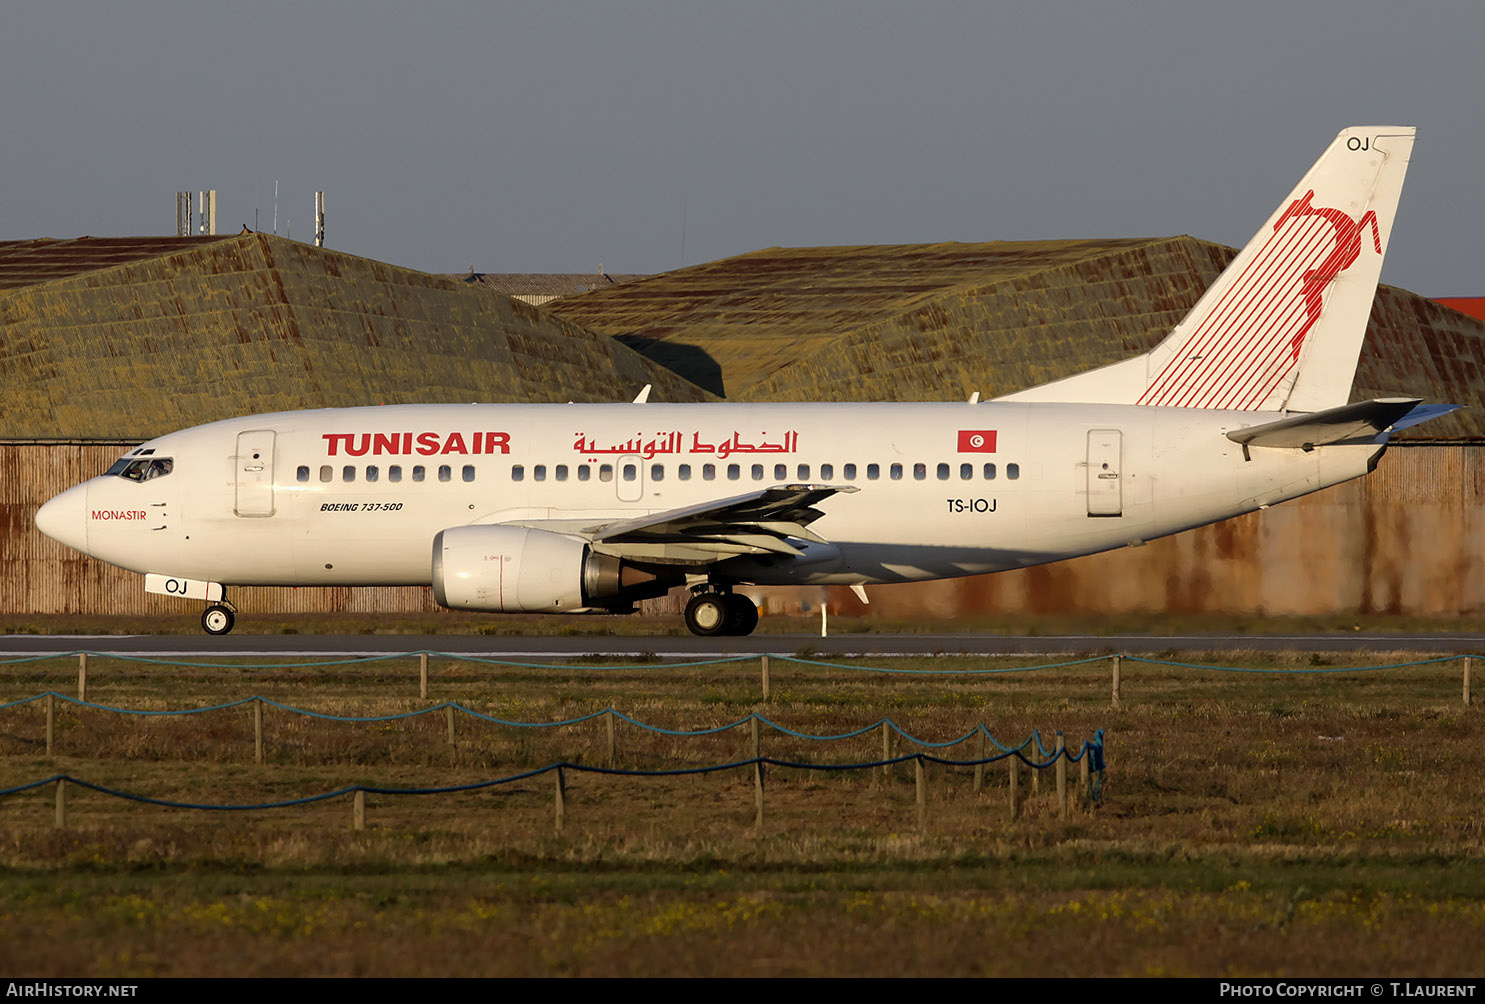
(217, 619)
(711, 614)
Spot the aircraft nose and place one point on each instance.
(65, 518)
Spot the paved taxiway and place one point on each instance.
(681, 647)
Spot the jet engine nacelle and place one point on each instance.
(512, 569)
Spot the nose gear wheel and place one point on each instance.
(217, 619)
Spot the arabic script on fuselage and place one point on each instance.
(676, 444)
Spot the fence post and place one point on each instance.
(258, 731)
(559, 795)
(51, 717)
(1036, 772)
(61, 818)
(886, 750)
(1466, 681)
(758, 796)
(765, 677)
(448, 718)
(423, 675)
(920, 780)
(613, 752)
(1085, 784)
(1118, 665)
(1061, 777)
(82, 676)
(980, 756)
(1013, 760)
(358, 810)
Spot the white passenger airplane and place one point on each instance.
(587, 508)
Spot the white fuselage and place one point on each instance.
(356, 496)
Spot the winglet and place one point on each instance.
(1423, 413)
(643, 395)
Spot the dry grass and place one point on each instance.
(1295, 825)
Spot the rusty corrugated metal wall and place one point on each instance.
(1402, 540)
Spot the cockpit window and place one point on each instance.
(141, 468)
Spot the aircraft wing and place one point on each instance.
(1364, 420)
(760, 522)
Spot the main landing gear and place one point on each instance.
(218, 618)
(710, 614)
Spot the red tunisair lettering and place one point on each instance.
(379, 444)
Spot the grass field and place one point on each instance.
(1300, 824)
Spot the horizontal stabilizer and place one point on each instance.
(1362, 421)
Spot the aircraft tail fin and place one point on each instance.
(1281, 328)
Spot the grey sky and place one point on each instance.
(553, 136)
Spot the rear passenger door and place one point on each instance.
(1105, 483)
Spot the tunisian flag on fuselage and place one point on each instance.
(976, 440)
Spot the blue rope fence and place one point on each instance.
(1033, 752)
(1090, 756)
(1300, 669)
(1093, 750)
(1115, 660)
(941, 672)
(447, 706)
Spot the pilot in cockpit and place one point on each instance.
(142, 469)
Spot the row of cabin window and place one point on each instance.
(683, 473)
(630, 472)
(734, 472)
(373, 473)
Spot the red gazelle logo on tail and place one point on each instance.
(1347, 249)
(1251, 339)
